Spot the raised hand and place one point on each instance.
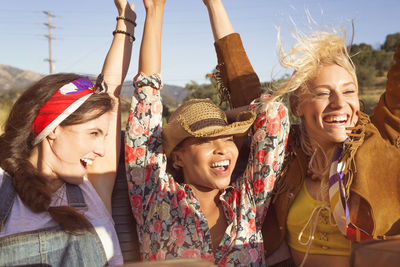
(125, 9)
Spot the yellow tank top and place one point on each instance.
(327, 237)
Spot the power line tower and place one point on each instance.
(49, 37)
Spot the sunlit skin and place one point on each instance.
(68, 150)
(207, 163)
(331, 106)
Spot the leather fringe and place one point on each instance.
(357, 136)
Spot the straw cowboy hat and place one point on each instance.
(202, 118)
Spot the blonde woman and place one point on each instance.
(340, 181)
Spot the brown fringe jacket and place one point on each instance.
(375, 153)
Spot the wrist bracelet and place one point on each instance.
(126, 19)
(131, 37)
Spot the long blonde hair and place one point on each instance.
(312, 51)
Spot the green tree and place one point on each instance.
(391, 42)
(366, 76)
(207, 90)
(383, 61)
(166, 114)
(365, 62)
(362, 54)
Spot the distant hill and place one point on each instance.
(16, 79)
(12, 78)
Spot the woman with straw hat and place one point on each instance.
(179, 175)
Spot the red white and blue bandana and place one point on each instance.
(63, 103)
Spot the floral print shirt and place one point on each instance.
(169, 218)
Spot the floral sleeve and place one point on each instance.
(269, 135)
(144, 157)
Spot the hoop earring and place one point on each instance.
(176, 166)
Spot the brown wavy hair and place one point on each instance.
(16, 147)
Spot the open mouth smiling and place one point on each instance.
(222, 165)
(85, 162)
(336, 120)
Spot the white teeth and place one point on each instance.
(88, 161)
(336, 119)
(222, 163)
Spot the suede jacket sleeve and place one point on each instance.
(386, 115)
(236, 71)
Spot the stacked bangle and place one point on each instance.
(126, 19)
(131, 37)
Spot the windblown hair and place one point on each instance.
(312, 51)
(308, 55)
(16, 146)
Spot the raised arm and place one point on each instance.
(150, 49)
(220, 24)
(387, 113)
(102, 173)
(236, 72)
(144, 156)
(269, 135)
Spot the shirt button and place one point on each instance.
(324, 247)
(290, 195)
(280, 228)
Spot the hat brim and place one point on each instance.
(176, 132)
(239, 127)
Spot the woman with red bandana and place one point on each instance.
(58, 148)
(340, 181)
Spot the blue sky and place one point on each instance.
(84, 31)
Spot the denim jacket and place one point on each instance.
(50, 246)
